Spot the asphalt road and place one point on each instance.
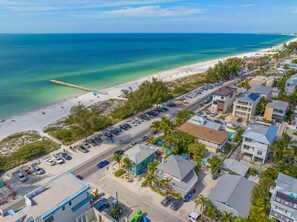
(89, 167)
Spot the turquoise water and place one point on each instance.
(29, 61)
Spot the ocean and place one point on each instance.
(29, 61)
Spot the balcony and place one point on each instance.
(280, 217)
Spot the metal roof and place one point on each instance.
(248, 97)
(235, 166)
(262, 133)
(233, 191)
(261, 89)
(140, 152)
(278, 104)
(287, 183)
(177, 166)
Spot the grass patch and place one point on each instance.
(119, 172)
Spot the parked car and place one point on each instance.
(93, 142)
(22, 177)
(79, 176)
(120, 152)
(85, 145)
(144, 138)
(133, 143)
(218, 121)
(83, 149)
(213, 113)
(202, 114)
(239, 120)
(38, 170)
(176, 204)
(59, 160)
(50, 162)
(102, 205)
(193, 217)
(171, 105)
(167, 201)
(109, 139)
(102, 164)
(97, 138)
(66, 156)
(107, 134)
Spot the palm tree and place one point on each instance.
(227, 217)
(127, 164)
(156, 125)
(118, 158)
(284, 148)
(164, 183)
(167, 126)
(149, 180)
(200, 200)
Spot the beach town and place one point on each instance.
(196, 143)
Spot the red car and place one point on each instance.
(79, 177)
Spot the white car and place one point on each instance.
(50, 162)
(192, 217)
(213, 113)
(38, 170)
(59, 160)
(21, 177)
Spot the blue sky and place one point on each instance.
(47, 16)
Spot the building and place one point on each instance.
(284, 199)
(201, 121)
(256, 141)
(262, 80)
(141, 155)
(223, 99)
(291, 84)
(276, 110)
(265, 91)
(213, 140)
(62, 199)
(180, 172)
(235, 166)
(245, 105)
(288, 64)
(232, 194)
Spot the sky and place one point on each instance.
(211, 16)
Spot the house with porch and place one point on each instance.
(245, 105)
(141, 155)
(180, 172)
(256, 141)
(283, 199)
(276, 110)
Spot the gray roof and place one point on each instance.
(278, 104)
(292, 80)
(200, 121)
(287, 183)
(186, 185)
(235, 166)
(235, 192)
(140, 152)
(261, 133)
(248, 97)
(177, 166)
(261, 89)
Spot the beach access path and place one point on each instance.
(37, 120)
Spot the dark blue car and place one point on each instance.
(102, 164)
(66, 156)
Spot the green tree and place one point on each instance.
(149, 180)
(182, 116)
(198, 150)
(200, 200)
(156, 125)
(152, 166)
(261, 106)
(118, 158)
(215, 164)
(167, 126)
(227, 217)
(238, 135)
(127, 164)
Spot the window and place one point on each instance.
(222, 97)
(63, 208)
(70, 203)
(215, 102)
(49, 219)
(259, 152)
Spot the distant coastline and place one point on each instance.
(40, 118)
(101, 61)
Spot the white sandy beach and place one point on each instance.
(36, 120)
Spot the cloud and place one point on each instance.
(221, 6)
(247, 5)
(35, 8)
(152, 10)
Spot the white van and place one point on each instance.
(193, 217)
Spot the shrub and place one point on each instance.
(119, 172)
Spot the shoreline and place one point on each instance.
(40, 118)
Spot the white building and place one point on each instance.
(63, 199)
(223, 99)
(256, 141)
(291, 84)
(245, 105)
(284, 199)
